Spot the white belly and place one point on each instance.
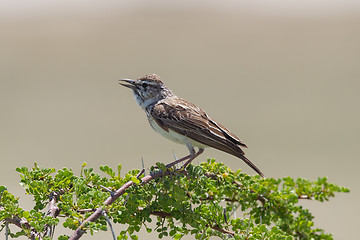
(174, 136)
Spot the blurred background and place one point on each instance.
(282, 75)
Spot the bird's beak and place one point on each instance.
(129, 83)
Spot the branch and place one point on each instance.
(305, 197)
(259, 197)
(53, 211)
(93, 217)
(217, 228)
(214, 176)
(168, 215)
(86, 210)
(212, 198)
(24, 224)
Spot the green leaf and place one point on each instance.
(25, 214)
(134, 237)
(135, 180)
(108, 170)
(119, 169)
(2, 189)
(178, 236)
(63, 237)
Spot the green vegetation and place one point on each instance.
(199, 201)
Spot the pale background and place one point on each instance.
(282, 75)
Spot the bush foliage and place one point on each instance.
(203, 201)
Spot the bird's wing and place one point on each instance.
(187, 119)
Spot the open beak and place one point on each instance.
(129, 83)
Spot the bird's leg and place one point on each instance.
(179, 161)
(190, 156)
(201, 150)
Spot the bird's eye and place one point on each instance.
(144, 85)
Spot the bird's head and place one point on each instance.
(147, 90)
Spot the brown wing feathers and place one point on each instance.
(195, 124)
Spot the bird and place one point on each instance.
(182, 121)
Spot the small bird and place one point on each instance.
(183, 122)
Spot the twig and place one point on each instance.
(140, 173)
(86, 210)
(161, 214)
(305, 197)
(7, 230)
(217, 228)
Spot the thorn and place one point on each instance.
(248, 228)
(175, 155)
(202, 235)
(234, 207)
(109, 222)
(225, 215)
(143, 165)
(127, 198)
(52, 228)
(151, 172)
(109, 190)
(176, 158)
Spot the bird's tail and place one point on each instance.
(250, 164)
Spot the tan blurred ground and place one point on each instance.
(288, 85)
